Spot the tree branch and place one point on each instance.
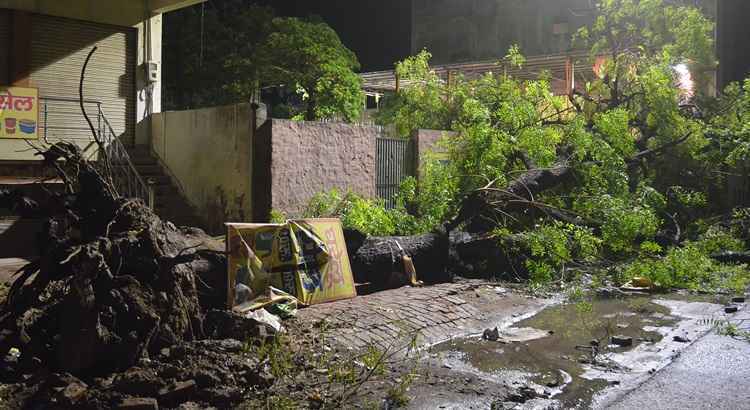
(658, 150)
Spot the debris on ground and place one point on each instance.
(306, 258)
(118, 306)
(492, 335)
(264, 316)
(623, 341)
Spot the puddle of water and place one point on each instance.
(553, 362)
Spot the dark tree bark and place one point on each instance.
(731, 257)
(379, 259)
(486, 256)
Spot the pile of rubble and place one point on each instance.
(120, 308)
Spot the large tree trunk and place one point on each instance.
(378, 260)
(487, 256)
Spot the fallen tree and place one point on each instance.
(115, 285)
(113, 281)
(482, 209)
(631, 163)
(378, 260)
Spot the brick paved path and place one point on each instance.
(437, 312)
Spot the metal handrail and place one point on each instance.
(68, 99)
(127, 180)
(74, 110)
(125, 177)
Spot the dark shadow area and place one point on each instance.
(733, 49)
(19, 228)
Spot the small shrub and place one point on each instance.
(397, 393)
(368, 216)
(717, 239)
(689, 267)
(324, 204)
(278, 217)
(554, 245)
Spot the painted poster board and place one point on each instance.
(19, 112)
(305, 258)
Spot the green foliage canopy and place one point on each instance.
(246, 48)
(622, 132)
(309, 56)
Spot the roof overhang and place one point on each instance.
(117, 12)
(165, 6)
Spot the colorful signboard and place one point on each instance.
(19, 112)
(305, 258)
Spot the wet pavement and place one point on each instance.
(434, 314)
(573, 338)
(713, 373)
(548, 353)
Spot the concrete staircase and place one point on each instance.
(169, 203)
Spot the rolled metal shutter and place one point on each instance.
(59, 49)
(4, 45)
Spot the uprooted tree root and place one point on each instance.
(114, 284)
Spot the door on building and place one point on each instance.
(59, 47)
(4, 46)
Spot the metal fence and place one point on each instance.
(395, 162)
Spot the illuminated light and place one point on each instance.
(684, 81)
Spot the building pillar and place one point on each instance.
(148, 90)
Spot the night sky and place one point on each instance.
(378, 31)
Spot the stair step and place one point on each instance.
(167, 191)
(158, 180)
(149, 170)
(169, 202)
(139, 150)
(143, 161)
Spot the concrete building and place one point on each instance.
(457, 31)
(43, 44)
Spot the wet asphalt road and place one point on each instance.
(713, 373)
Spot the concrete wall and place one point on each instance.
(426, 142)
(209, 152)
(228, 174)
(149, 46)
(296, 160)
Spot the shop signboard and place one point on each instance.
(304, 258)
(19, 112)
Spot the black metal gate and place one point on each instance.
(395, 160)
